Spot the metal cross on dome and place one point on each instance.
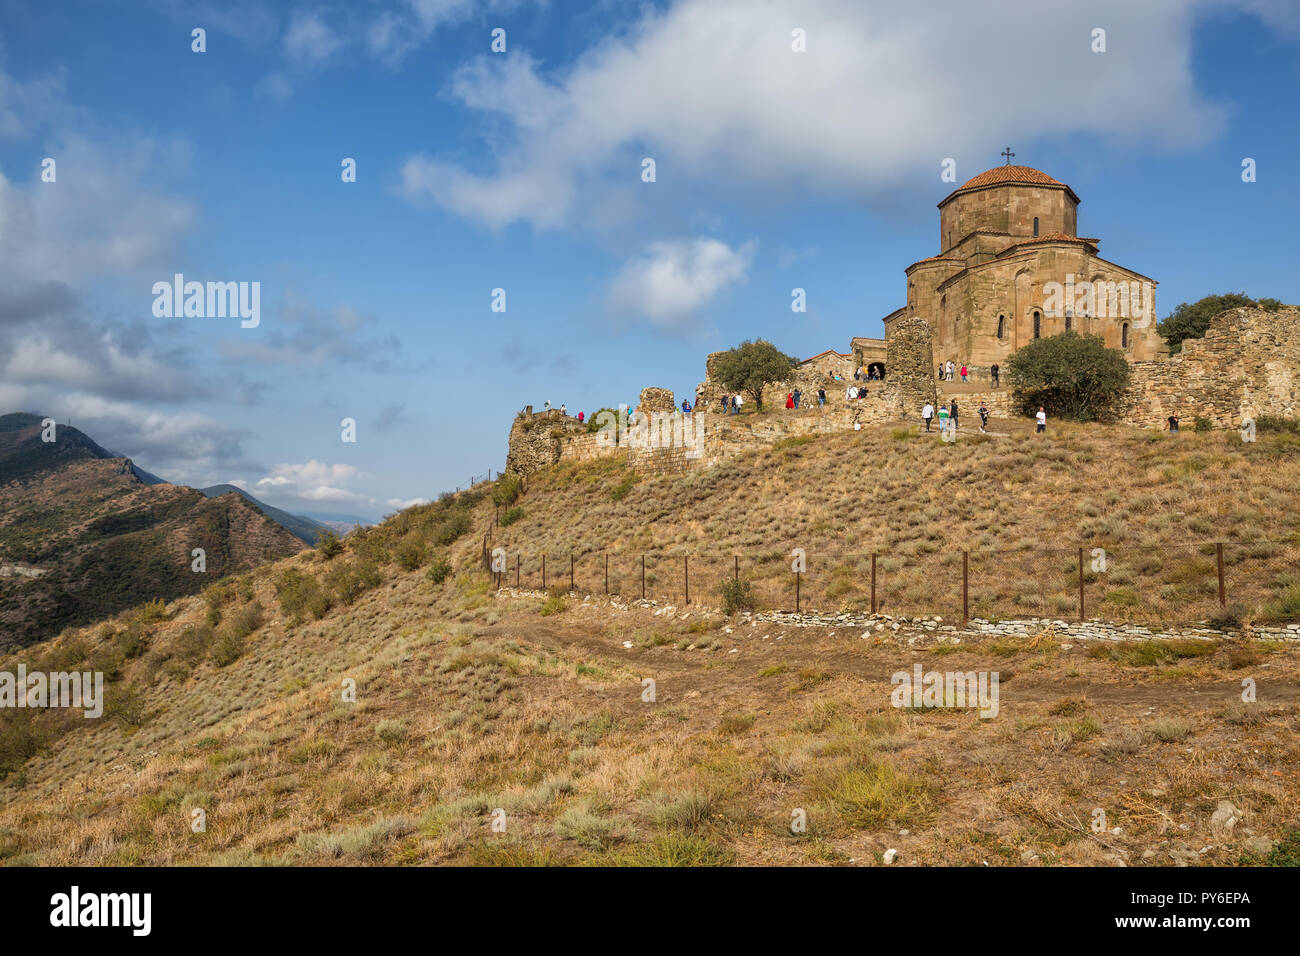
(1008, 154)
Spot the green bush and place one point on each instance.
(750, 366)
(1202, 424)
(554, 605)
(455, 525)
(1270, 305)
(1070, 375)
(410, 552)
(301, 595)
(1190, 320)
(328, 544)
(506, 489)
(349, 581)
(439, 570)
(511, 515)
(737, 595)
(1276, 423)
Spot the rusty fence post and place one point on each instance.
(643, 577)
(1223, 594)
(873, 582)
(543, 570)
(737, 571)
(518, 560)
(606, 572)
(1081, 584)
(686, 575)
(965, 588)
(797, 575)
(571, 587)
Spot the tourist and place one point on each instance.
(740, 403)
(821, 398)
(943, 421)
(789, 399)
(927, 414)
(686, 407)
(952, 369)
(735, 405)
(797, 395)
(580, 417)
(851, 393)
(984, 417)
(1041, 417)
(994, 372)
(952, 413)
(564, 409)
(963, 373)
(1173, 423)
(940, 371)
(725, 399)
(546, 405)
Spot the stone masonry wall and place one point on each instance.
(1248, 364)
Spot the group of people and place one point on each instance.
(949, 370)
(949, 415)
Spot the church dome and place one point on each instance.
(1010, 174)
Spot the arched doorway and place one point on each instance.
(876, 370)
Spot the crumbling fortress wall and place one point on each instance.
(1247, 365)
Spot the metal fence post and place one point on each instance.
(737, 572)
(796, 591)
(518, 560)
(543, 570)
(686, 575)
(606, 572)
(1223, 594)
(643, 577)
(571, 587)
(873, 582)
(965, 588)
(1081, 584)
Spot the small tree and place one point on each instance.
(1190, 320)
(1070, 375)
(750, 366)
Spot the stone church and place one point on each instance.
(1013, 268)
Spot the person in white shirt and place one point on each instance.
(740, 402)
(928, 414)
(1042, 419)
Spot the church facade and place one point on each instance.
(1013, 268)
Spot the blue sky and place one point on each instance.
(522, 170)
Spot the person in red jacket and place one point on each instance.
(789, 399)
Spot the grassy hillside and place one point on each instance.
(468, 702)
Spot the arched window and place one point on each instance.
(1038, 326)
(1123, 336)
(1035, 225)
(1002, 320)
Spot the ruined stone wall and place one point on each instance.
(1247, 365)
(909, 366)
(656, 400)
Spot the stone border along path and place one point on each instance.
(1093, 630)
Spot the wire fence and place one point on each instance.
(1214, 580)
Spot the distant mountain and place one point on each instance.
(307, 529)
(85, 534)
(340, 523)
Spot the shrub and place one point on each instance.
(1191, 320)
(554, 605)
(1203, 424)
(227, 648)
(619, 491)
(1071, 375)
(439, 570)
(455, 525)
(1276, 423)
(511, 515)
(349, 581)
(737, 595)
(390, 732)
(410, 552)
(506, 489)
(1269, 304)
(328, 544)
(596, 422)
(750, 366)
(300, 595)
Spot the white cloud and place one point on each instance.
(309, 40)
(311, 481)
(674, 279)
(401, 504)
(884, 93)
